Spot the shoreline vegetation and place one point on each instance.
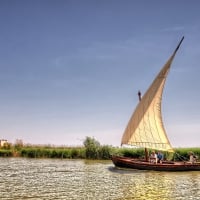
(91, 149)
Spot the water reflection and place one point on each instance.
(160, 185)
(47, 179)
(149, 186)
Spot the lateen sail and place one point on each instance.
(145, 128)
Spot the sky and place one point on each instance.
(72, 68)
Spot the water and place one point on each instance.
(45, 179)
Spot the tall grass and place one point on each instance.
(89, 152)
(56, 152)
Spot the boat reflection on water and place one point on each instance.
(159, 185)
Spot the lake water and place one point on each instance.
(45, 179)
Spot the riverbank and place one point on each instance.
(95, 152)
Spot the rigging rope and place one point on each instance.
(182, 158)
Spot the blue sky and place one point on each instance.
(71, 69)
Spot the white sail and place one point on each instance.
(145, 128)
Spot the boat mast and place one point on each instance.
(145, 149)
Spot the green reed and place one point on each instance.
(91, 150)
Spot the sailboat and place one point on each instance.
(146, 129)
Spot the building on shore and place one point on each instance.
(3, 142)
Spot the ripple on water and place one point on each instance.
(78, 179)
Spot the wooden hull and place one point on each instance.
(124, 162)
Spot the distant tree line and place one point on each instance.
(91, 149)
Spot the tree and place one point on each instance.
(92, 148)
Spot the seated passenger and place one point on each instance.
(153, 157)
(192, 157)
(160, 157)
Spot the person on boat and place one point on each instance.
(160, 157)
(153, 157)
(192, 158)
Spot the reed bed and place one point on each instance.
(94, 152)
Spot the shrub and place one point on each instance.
(92, 148)
(5, 153)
